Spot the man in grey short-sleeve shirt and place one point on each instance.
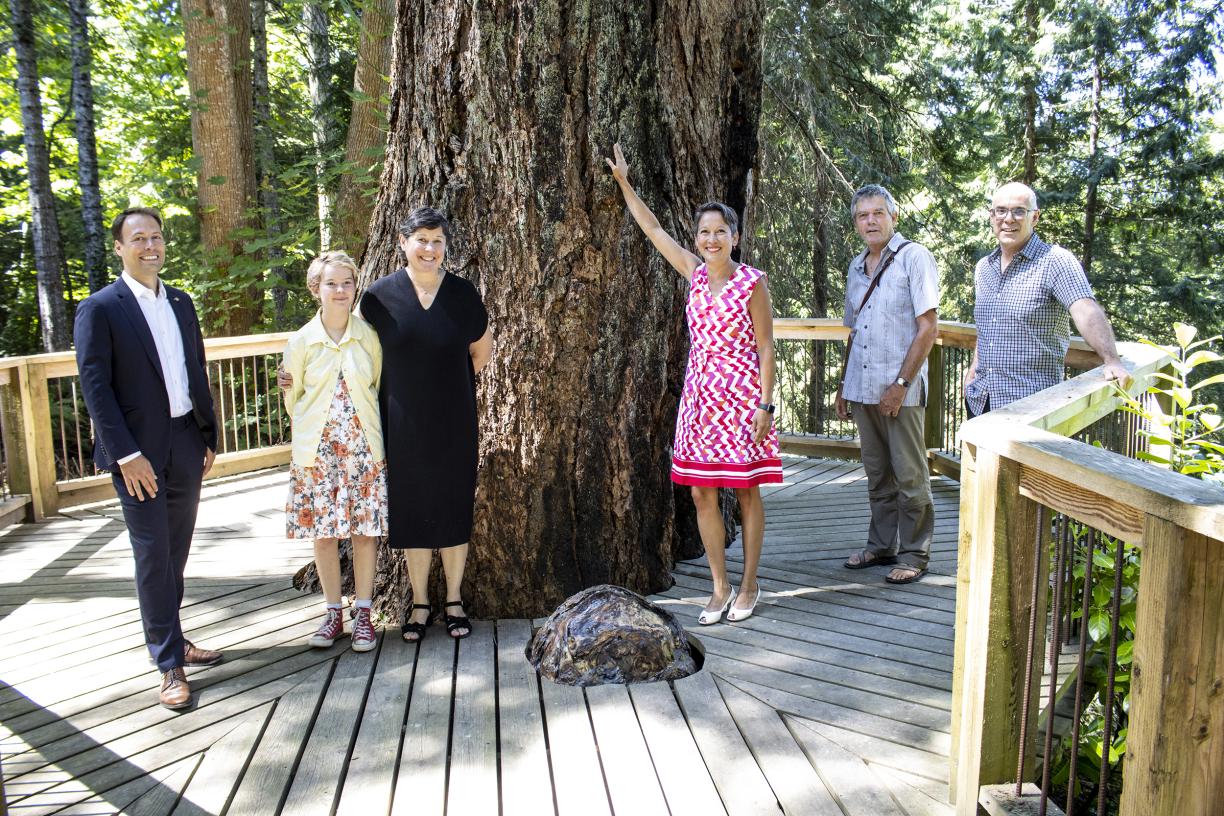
(1027, 293)
(885, 387)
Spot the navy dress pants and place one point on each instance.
(160, 529)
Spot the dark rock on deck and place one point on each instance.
(607, 634)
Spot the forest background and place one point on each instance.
(1112, 110)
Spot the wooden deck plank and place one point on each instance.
(854, 782)
(320, 776)
(526, 782)
(213, 782)
(914, 795)
(266, 781)
(682, 772)
(632, 782)
(117, 800)
(370, 781)
(799, 789)
(473, 755)
(420, 786)
(578, 779)
(742, 786)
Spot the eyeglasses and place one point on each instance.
(1015, 212)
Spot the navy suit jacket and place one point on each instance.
(121, 376)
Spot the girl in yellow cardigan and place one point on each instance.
(337, 481)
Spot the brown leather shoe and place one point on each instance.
(175, 693)
(193, 655)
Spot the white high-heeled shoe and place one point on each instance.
(709, 616)
(737, 614)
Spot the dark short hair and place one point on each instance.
(117, 224)
(726, 212)
(425, 218)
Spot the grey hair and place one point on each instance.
(872, 191)
(1020, 185)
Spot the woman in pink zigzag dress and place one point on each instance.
(724, 429)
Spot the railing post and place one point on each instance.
(995, 583)
(1175, 738)
(933, 428)
(33, 458)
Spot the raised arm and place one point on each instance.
(679, 257)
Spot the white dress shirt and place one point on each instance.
(164, 327)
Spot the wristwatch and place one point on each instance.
(901, 381)
(766, 406)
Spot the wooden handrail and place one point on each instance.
(1019, 457)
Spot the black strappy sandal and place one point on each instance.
(457, 622)
(418, 629)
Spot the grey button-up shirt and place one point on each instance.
(1023, 326)
(886, 328)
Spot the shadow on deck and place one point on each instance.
(833, 699)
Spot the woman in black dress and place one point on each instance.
(435, 338)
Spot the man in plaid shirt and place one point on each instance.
(1026, 290)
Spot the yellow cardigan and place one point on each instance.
(315, 361)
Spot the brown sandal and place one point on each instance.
(908, 574)
(866, 559)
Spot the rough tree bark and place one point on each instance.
(48, 255)
(218, 37)
(502, 114)
(265, 157)
(318, 82)
(367, 132)
(96, 271)
(1091, 204)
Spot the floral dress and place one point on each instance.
(344, 493)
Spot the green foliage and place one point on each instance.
(1182, 431)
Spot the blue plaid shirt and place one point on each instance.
(1023, 326)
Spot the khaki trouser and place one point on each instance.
(898, 483)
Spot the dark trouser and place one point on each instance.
(160, 530)
(898, 483)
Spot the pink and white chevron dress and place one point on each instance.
(722, 386)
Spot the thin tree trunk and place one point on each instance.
(48, 254)
(367, 132)
(87, 151)
(218, 36)
(501, 115)
(1094, 163)
(265, 159)
(1031, 26)
(318, 81)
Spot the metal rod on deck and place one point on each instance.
(76, 423)
(1079, 677)
(1114, 615)
(1028, 651)
(246, 426)
(222, 442)
(229, 365)
(1054, 651)
(1068, 574)
(59, 395)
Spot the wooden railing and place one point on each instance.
(1018, 460)
(47, 432)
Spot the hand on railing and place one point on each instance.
(1114, 370)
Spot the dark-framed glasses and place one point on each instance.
(1015, 212)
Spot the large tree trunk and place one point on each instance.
(367, 135)
(318, 82)
(48, 255)
(218, 36)
(87, 150)
(501, 115)
(265, 158)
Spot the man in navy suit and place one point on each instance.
(140, 354)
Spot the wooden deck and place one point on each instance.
(833, 699)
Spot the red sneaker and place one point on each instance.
(331, 628)
(365, 637)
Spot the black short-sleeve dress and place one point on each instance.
(428, 402)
